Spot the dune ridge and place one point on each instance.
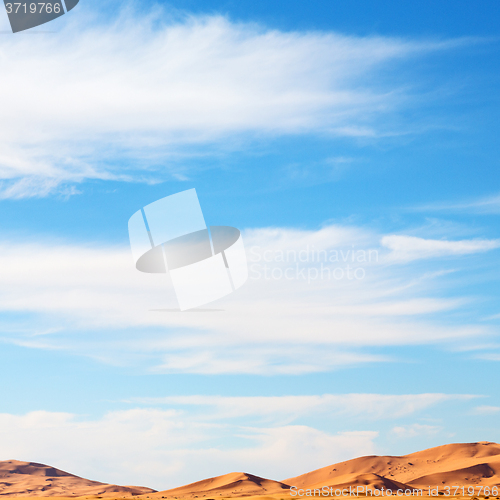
(228, 485)
(464, 464)
(459, 464)
(33, 479)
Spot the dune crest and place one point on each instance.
(463, 464)
(234, 484)
(33, 479)
(460, 464)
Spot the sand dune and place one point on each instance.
(453, 464)
(33, 479)
(449, 465)
(467, 464)
(373, 481)
(234, 484)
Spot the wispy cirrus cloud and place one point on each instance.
(486, 410)
(117, 99)
(489, 356)
(369, 406)
(407, 248)
(484, 205)
(414, 430)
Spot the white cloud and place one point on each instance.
(114, 101)
(164, 449)
(407, 248)
(486, 410)
(484, 205)
(371, 406)
(414, 430)
(489, 356)
(302, 326)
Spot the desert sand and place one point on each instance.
(33, 479)
(235, 484)
(468, 465)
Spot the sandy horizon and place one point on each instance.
(459, 470)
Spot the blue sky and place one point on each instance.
(350, 126)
